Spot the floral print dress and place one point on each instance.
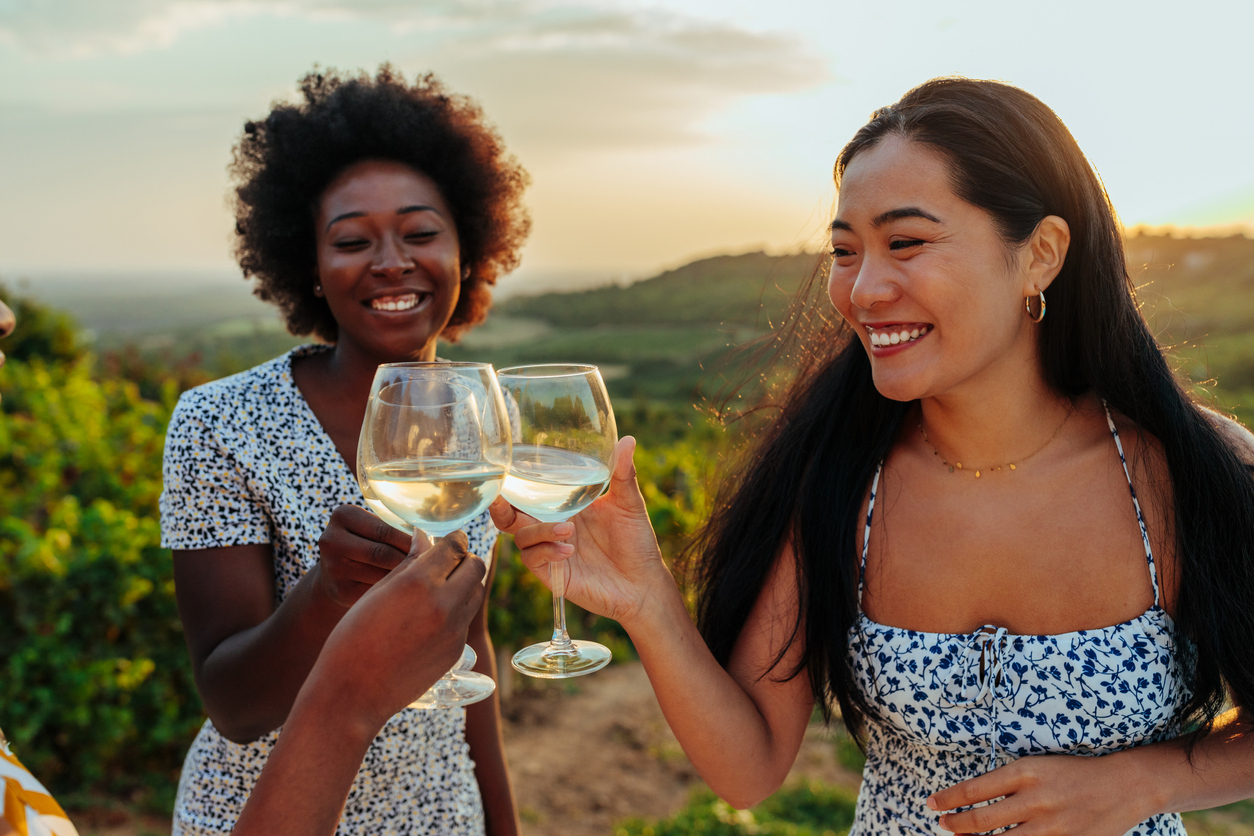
(946, 707)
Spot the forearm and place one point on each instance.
(1221, 772)
(717, 723)
(249, 682)
(487, 750)
(307, 777)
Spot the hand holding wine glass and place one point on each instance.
(620, 567)
(563, 452)
(425, 459)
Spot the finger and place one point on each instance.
(537, 557)
(355, 572)
(986, 818)
(986, 787)
(440, 560)
(420, 543)
(623, 486)
(369, 526)
(534, 535)
(507, 518)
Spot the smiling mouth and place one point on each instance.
(402, 302)
(896, 334)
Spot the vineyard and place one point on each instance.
(96, 690)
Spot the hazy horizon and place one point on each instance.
(655, 130)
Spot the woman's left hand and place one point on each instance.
(1049, 794)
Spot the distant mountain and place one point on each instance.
(745, 290)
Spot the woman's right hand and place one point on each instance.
(357, 550)
(612, 562)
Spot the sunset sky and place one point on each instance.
(654, 132)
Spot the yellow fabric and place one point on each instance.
(14, 807)
(22, 792)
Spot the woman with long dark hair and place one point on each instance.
(988, 522)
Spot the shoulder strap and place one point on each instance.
(866, 532)
(1140, 520)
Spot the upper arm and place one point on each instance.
(772, 629)
(1238, 437)
(222, 592)
(218, 528)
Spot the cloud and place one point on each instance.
(86, 28)
(555, 75)
(563, 78)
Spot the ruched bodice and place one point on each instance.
(946, 707)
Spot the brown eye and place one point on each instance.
(904, 243)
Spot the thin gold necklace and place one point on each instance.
(1008, 466)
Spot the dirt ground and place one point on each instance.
(584, 754)
(596, 750)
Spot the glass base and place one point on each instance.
(456, 688)
(542, 662)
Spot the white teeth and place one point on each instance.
(394, 303)
(880, 339)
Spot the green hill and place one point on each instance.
(658, 338)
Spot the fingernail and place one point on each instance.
(564, 529)
(565, 548)
(931, 803)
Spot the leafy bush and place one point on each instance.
(95, 683)
(803, 809)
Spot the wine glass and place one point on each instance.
(423, 456)
(561, 462)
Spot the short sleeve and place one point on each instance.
(206, 499)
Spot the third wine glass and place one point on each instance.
(563, 441)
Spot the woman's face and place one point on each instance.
(389, 259)
(7, 324)
(924, 278)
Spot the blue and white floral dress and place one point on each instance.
(946, 707)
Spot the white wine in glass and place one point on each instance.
(425, 459)
(561, 462)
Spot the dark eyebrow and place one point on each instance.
(900, 214)
(404, 210)
(345, 217)
(890, 215)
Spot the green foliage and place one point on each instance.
(95, 683)
(803, 809)
(45, 332)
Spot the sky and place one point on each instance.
(654, 132)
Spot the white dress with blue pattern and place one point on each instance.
(946, 707)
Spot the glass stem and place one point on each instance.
(560, 643)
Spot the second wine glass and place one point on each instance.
(425, 458)
(563, 442)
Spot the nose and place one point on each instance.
(7, 323)
(7, 320)
(875, 284)
(391, 258)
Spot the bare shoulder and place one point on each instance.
(1240, 439)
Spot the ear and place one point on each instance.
(1045, 252)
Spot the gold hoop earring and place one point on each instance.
(1027, 303)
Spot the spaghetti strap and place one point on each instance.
(1140, 520)
(866, 532)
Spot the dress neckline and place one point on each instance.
(1155, 609)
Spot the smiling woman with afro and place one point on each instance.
(377, 215)
(285, 161)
